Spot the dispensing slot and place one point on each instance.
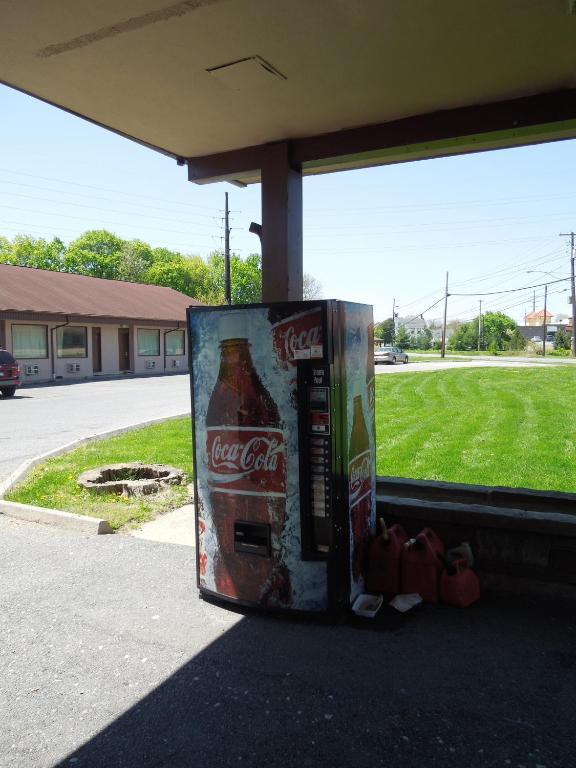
(252, 538)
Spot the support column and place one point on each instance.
(281, 226)
(2, 333)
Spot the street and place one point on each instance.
(479, 362)
(39, 419)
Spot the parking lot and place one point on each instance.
(39, 419)
(109, 660)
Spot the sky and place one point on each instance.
(378, 236)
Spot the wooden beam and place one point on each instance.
(516, 120)
(281, 226)
(514, 115)
(228, 166)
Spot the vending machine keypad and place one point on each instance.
(317, 490)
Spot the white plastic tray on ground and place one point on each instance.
(367, 605)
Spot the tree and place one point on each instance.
(311, 288)
(516, 341)
(465, 337)
(403, 338)
(245, 278)
(96, 253)
(498, 328)
(189, 275)
(135, 259)
(423, 339)
(385, 331)
(99, 253)
(27, 251)
(561, 339)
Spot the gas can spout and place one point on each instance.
(384, 530)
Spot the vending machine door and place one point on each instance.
(247, 408)
(358, 440)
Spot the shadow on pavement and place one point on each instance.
(490, 686)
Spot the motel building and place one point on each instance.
(63, 326)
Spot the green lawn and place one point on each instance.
(53, 483)
(503, 426)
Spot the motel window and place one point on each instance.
(71, 341)
(29, 341)
(148, 342)
(174, 344)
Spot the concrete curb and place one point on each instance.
(57, 517)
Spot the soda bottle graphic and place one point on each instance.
(359, 489)
(247, 470)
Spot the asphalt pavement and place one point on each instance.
(40, 419)
(110, 660)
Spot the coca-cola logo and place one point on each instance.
(259, 453)
(246, 460)
(360, 477)
(298, 332)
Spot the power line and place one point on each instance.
(451, 205)
(105, 189)
(439, 246)
(97, 208)
(89, 197)
(512, 290)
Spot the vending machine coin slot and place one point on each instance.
(252, 538)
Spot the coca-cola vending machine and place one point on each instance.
(284, 452)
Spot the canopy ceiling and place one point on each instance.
(158, 72)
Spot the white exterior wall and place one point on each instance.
(141, 360)
(109, 355)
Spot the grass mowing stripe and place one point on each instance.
(493, 426)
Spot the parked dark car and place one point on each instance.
(9, 374)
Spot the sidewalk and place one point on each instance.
(176, 527)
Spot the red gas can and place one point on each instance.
(421, 565)
(459, 585)
(383, 572)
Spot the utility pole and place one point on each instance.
(227, 285)
(545, 325)
(534, 301)
(480, 326)
(443, 346)
(573, 289)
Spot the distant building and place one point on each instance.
(63, 326)
(412, 324)
(537, 318)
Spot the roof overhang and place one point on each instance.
(347, 84)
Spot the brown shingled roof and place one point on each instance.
(23, 289)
